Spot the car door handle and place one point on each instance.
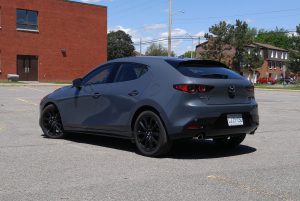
(133, 93)
(96, 95)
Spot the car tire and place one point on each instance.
(230, 141)
(150, 135)
(51, 123)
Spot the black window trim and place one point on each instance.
(27, 24)
(198, 63)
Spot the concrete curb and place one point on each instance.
(33, 85)
(287, 90)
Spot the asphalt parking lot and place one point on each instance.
(265, 167)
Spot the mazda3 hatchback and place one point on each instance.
(153, 101)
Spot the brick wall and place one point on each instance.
(80, 29)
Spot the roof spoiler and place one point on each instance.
(196, 63)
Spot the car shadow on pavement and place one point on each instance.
(205, 149)
(185, 149)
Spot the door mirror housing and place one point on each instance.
(77, 83)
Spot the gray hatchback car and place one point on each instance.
(153, 101)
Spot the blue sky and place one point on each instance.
(148, 19)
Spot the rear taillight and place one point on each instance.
(193, 88)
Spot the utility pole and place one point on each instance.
(170, 29)
(192, 48)
(140, 46)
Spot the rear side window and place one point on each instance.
(130, 71)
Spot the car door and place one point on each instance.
(85, 108)
(124, 93)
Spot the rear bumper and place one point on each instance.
(211, 132)
(212, 122)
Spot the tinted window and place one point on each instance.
(204, 69)
(130, 71)
(27, 19)
(103, 74)
(209, 72)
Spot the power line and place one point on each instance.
(166, 39)
(236, 15)
(197, 37)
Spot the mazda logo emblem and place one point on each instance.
(231, 91)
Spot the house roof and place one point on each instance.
(269, 46)
(254, 44)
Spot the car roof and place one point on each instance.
(175, 62)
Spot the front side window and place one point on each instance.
(130, 71)
(102, 75)
(27, 19)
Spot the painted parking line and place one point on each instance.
(12, 89)
(26, 101)
(35, 89)
(249, 188)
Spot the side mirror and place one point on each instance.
(77, 83)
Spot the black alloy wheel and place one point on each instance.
(51, 123)
(150, 135)
(230, 141)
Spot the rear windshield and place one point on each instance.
(208, 72)
(204, 69)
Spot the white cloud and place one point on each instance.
(175, 32)
(200, 34)
(179, 46)
(155, 26)
(129, 31)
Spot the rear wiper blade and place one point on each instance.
(219, 76)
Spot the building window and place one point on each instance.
(286, 55)
(270, 65)
(261, 53)
(27, 19)
(276, 55)
(280, 65)
(282, 55)
(272, 54)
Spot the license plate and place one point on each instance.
(235, 120)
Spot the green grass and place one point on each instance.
(278, 86)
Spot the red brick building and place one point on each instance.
(51, 40)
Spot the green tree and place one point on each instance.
(277, 38)
(157, 50)
(294, 53)
(219, 39)
(242, 36)
(189, 54)
(294, 61)
(252, 60)
(119, 44)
